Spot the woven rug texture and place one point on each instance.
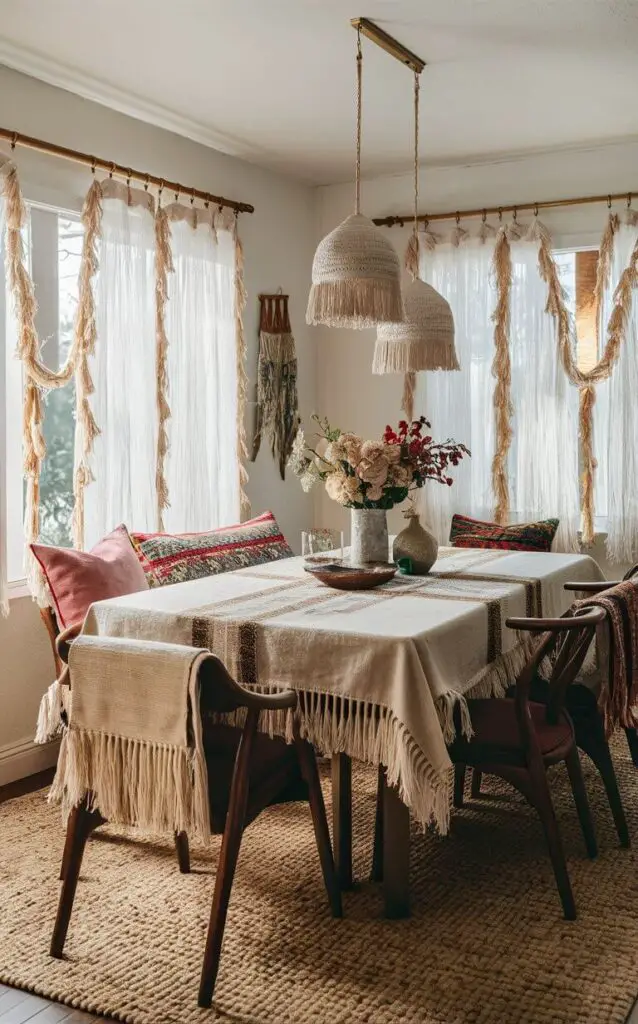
(486, 943)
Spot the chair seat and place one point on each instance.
(274, 775)
(497, 734)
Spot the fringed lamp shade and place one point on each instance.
(356, 278)
(423, 341)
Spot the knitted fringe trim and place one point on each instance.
(357, 303)
(502, 371)
(410, 357)
(163, 267)
(242, 376)
(371, 734)
(155, 787)
(50, 725)
(492, 681)
(86, 336)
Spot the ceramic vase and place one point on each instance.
(415, 544)
(368, 535)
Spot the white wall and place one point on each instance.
(278, 241)
(347, 392)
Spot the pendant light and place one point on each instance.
(356, 272)
(424, 340)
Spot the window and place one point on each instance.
(578, 272)
(53, 242)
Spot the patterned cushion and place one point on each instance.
(472, 533)
(173, 558)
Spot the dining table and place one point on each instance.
(382, 675)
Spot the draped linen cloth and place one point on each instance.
(459, 404)
(123, 368)
(543, 462)
(134, 743)
(379, 673)
(201, 464)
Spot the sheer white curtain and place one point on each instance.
(123, 369)
(543, 461)
(617, 401)
(459, 404)
(201, 465)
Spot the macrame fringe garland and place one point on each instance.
(242, 377)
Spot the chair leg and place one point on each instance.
(477, 778)
(80, 825)
(227, 863)
(543, 802)
(591, 738)
(632, 742)
(376, 875)
(308, 763)
(183, 852)
(68, 843)
(459, 784)
(583, 809)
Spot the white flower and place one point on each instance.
(307, 480)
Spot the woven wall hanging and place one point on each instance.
(277, 415)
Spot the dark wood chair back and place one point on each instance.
(563, 647)
(51, 624)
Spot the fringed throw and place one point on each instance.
(137, 756)
(618, 697)
(277, 404)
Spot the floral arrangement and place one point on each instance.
(374, 474)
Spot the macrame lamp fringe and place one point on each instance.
(356, 278)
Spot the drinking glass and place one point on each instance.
(320, 542)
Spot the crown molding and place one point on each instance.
(37, 65)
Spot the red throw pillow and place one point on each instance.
(472, 533)
(77, 579)
(174, 558)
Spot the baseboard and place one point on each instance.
(24, 758)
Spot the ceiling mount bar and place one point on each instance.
(387, 43)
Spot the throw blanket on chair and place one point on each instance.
(618, 698)
(134, 747)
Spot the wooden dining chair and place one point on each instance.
(247, 772)
(582, 705)
(60, 641)
(517, 739)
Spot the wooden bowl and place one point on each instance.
(343, 576)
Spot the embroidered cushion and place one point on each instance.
(472, 533)
(78, 578)
(173, 558)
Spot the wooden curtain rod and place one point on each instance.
(425, 218)
(94, 162)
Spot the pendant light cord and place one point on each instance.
(416, 169)
(357, 203)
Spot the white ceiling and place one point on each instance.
(273, 80)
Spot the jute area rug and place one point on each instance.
(486, 943)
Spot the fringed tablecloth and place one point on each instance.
(379, 672)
